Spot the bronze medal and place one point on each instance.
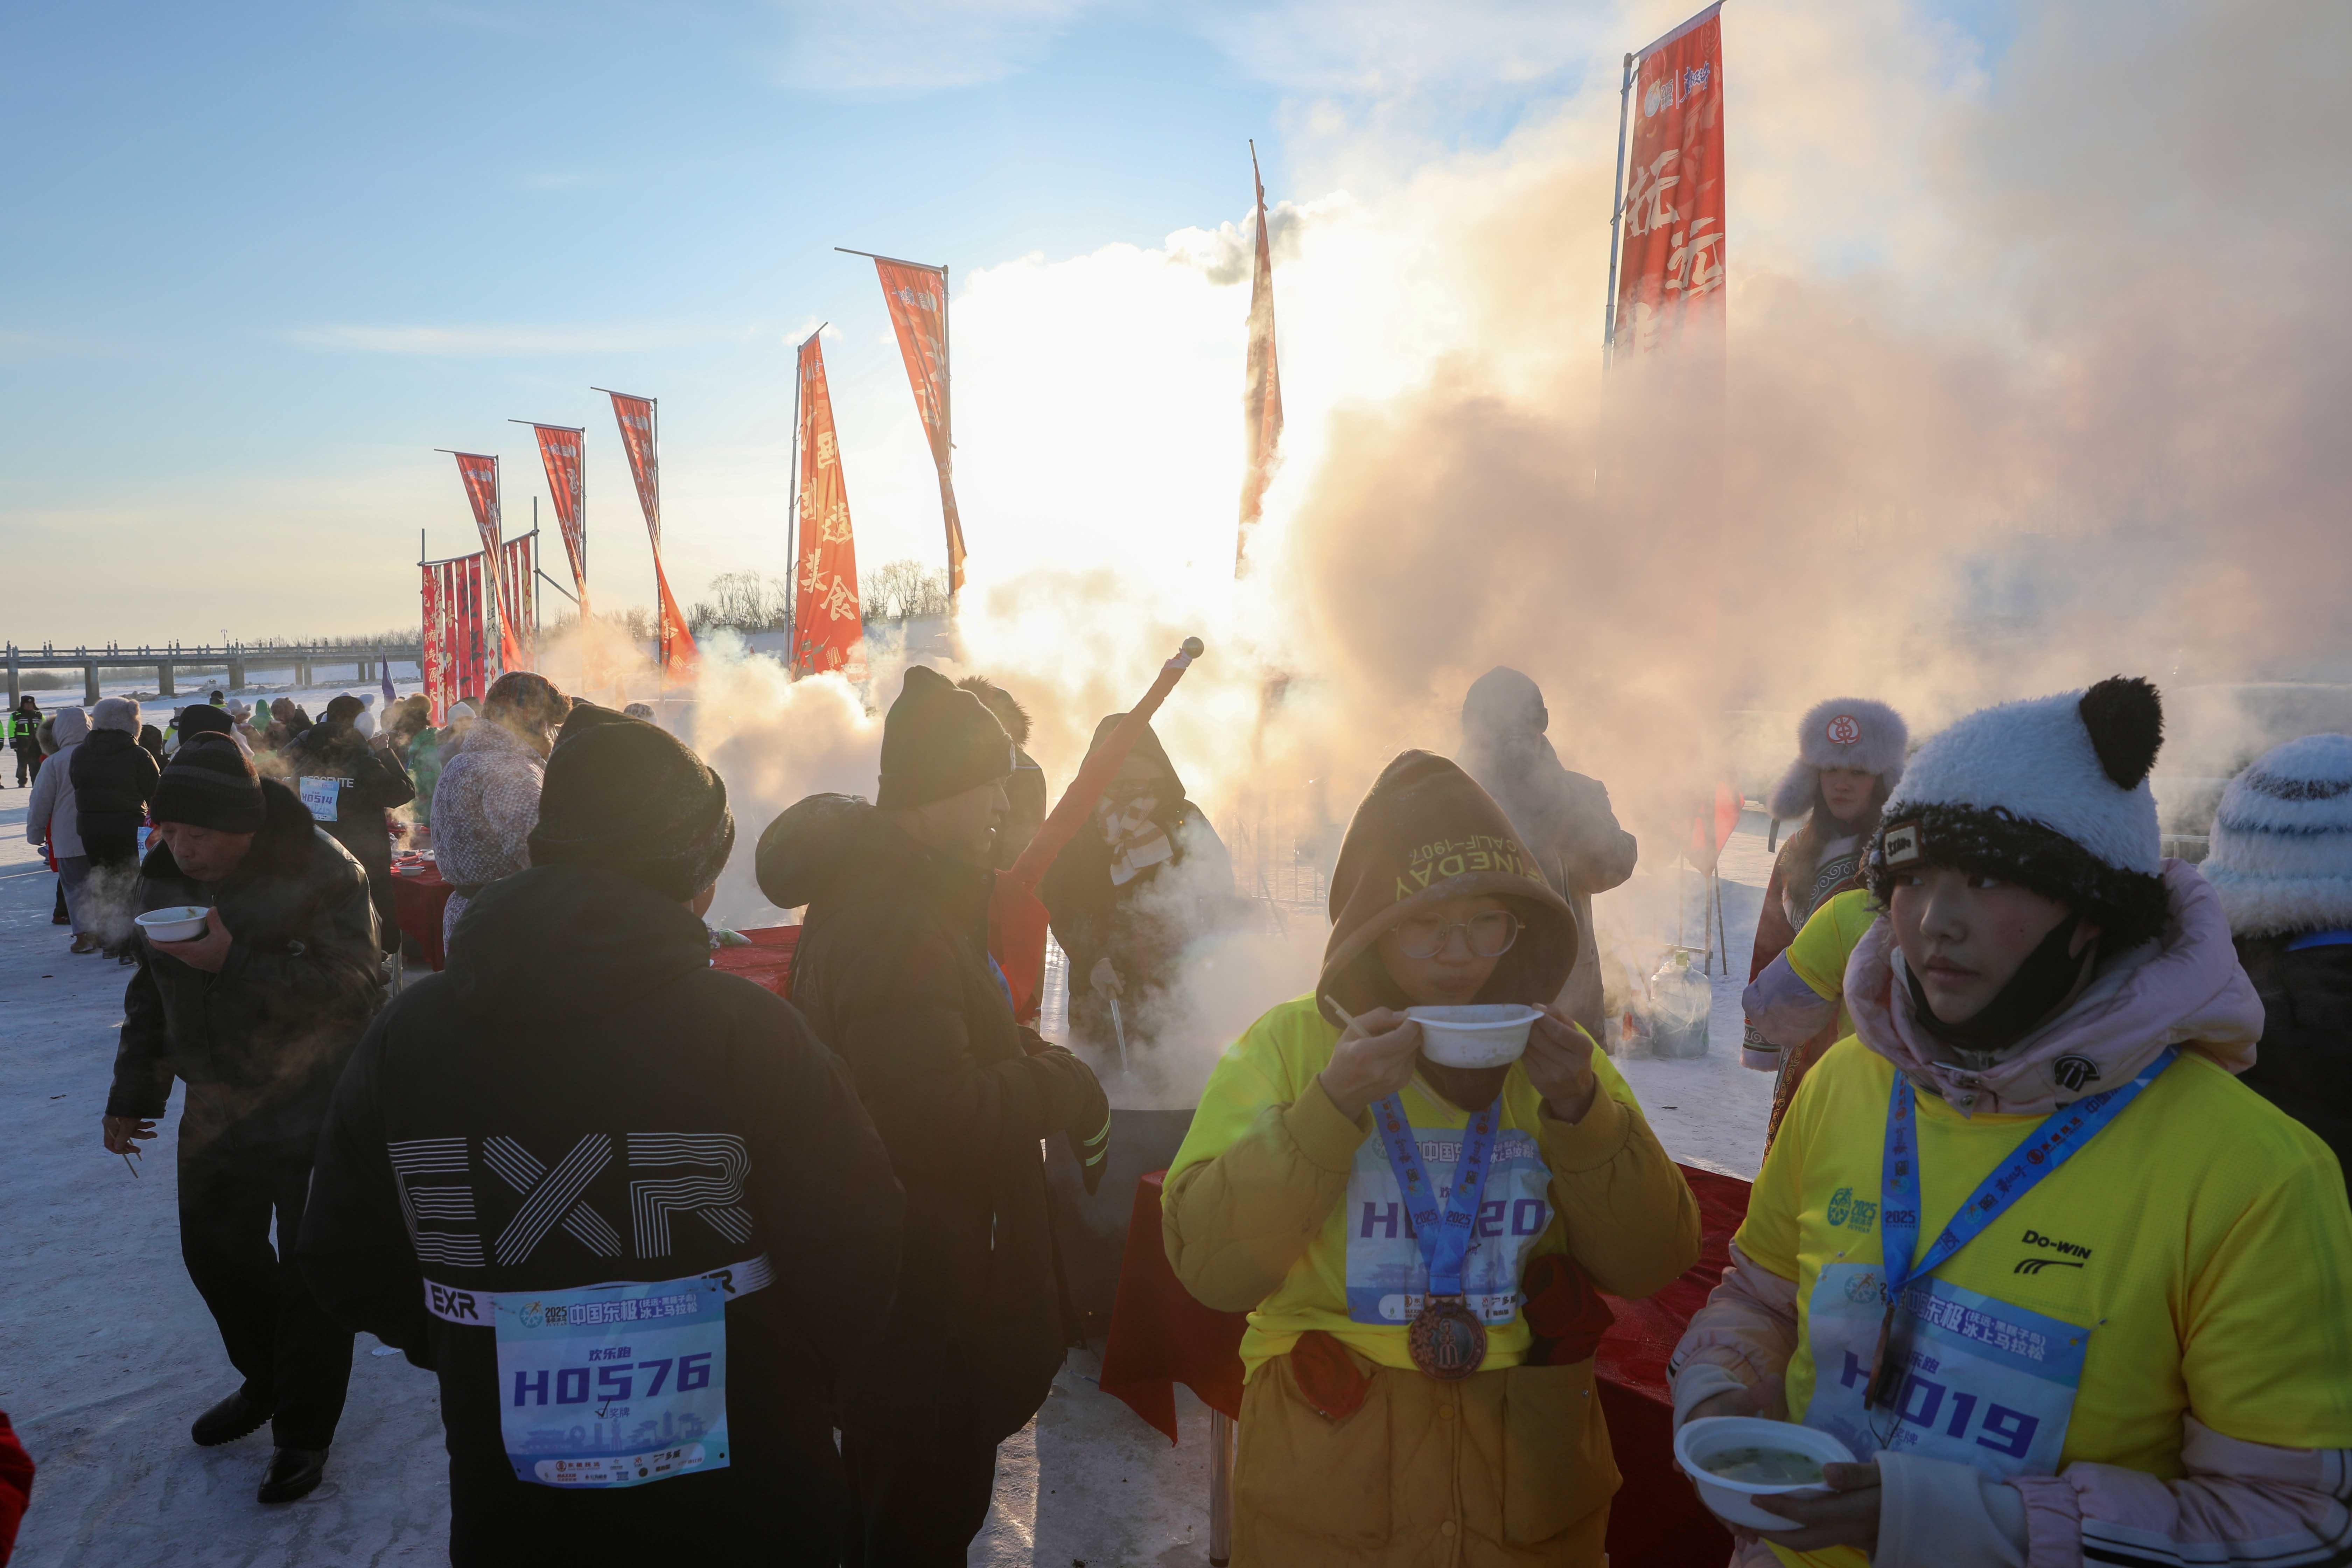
(1446, 1340)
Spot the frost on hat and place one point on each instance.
(2050, 793)
(1843, 732)
(2282, 852)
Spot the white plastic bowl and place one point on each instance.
(184, 923)
(1490, 1035)
(1734, 1502)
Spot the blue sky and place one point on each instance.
(263, 258)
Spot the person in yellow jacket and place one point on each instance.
(1801, 994)
(1423, 1392)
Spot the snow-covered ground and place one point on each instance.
(107, 1354)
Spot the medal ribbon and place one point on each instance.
(1444, 1239)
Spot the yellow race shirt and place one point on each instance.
(1818, 954)
(2194, 1256)
(1361, 1278)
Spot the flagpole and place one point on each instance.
(792, 521)
(1616, 216)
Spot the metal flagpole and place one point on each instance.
(1616, 216)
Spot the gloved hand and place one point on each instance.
(1105, 979)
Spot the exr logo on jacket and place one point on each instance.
(706, 1172)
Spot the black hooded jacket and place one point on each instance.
(302, 979)
(580, 1028)
(2304, 1064)
(892, 968)
(113, 779)
(374, 782)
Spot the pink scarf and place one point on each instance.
(2184, 989)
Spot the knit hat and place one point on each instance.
(1000, 702)
(115, 713)
(208, 782)
(1427, 833)
(343, 709)
(1843, 732)
(203, 719)
(936, 741)
(2051, 794)
(2282, 851)
(625, 795)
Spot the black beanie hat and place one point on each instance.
(204, 719)
(343, 709)
(209, 783)
(633, 798)
(939, 741)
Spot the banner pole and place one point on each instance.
(791, 527)
(1616, 216)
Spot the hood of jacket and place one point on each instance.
(569, 941)
(809, 844)
(1147, 749)
(2185, 989)
(72, 727)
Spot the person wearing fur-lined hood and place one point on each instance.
(1849, 757)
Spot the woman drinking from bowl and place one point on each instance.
(1418, 1243)
(2067, 1289)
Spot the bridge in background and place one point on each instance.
(237, 660)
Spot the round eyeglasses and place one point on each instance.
(1489, 935)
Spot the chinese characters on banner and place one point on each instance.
(467, 654)
(827, 629)
(1670, 277)
(480, 474)
(517, 606)
(640, 438)
(563, 452)
(1261, 388)
(439, 676)
(917, 298)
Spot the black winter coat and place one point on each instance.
(374, 782)
(2304, 1064)
(580, 1028)
(893, 970)
(303, 976)
(113, 779)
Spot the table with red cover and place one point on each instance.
(1160, 1336)
(417, 902)
(768, 962)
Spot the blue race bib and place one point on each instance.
(614, 1386)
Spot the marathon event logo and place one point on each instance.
(1844, 729)
(1446, 858)
(1847, 1211)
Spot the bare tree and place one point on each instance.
(905, 589)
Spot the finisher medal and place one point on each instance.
(1446, 1339)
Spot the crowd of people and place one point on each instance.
(2052, 1231)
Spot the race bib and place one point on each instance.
(321, 796)
(614, 1386)
(1984, 1382)
(1386, 1276)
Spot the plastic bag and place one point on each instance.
(1682, 1004)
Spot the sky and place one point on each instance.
(263, 260)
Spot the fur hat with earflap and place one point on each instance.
(2051, 794)
(2282, 854)
(1843, 732)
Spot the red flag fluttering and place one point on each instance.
(640, 437)
(1016, 918)
(562, 451)
(1671, 269)
(918, 298)
(1261, 388)
(480, 474)
(827, 626)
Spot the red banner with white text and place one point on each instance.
(828, 632)
(1671, 268)
(917, 298)
(563, 452)
(438, 675)
(518, 604)
(470, 633)
(480, 474)
(641, 438)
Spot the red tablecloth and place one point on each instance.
(767, 961)
(417, 903)
(1160, 1336)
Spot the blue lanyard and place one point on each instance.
(2059, 1137)
(2311, 939)
(1445, 1239)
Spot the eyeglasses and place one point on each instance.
(1490, 935)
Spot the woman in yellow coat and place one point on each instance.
(1422, 1393)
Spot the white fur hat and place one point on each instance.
(1843, 732)
(2282, 854)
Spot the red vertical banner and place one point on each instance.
(517, 606)
(641, 438)
(480, 474)
(1671, 268)
(828, 631)
(472, 678)
(1261, 388)
(435, 649)
(563, 452)
(917, 298)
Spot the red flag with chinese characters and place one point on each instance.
(517, 606)
(466, 630)
(563, 452)
(1261, 388)
(440, 687)
(640, 436)
(1670, 273)
(480, 474)
(917, 298)
(827, 628)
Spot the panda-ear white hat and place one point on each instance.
(1843, 732)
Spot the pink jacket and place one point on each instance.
(2238, 1503)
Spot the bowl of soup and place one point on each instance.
(1740, 1462)
(182, 922)
(1488, 1034)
